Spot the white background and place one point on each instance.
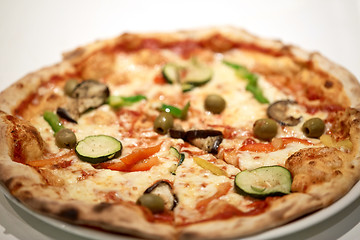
(33, 34)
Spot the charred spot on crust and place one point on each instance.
(26, 195)
(337, 173)
(101, 207)
(69, 213)
(328, 84)
(13, 185)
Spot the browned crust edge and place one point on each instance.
(291, 207)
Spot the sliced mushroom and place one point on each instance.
(164, 189)
(279, 112)
(87, 95)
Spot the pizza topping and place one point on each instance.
(86, 95)
(119, 101)
(165, 192)
(141, 159)
(152, 201)
(70, 85)
(208, 140)
(180, 156)
(264, 181)
(163, 123)
(98, 148)
(63, 113)
(214, 103)
(65, 138)
(53, 121)
(176, 112)
(313, 128)
(265, 129)
(276, 144)
(328, 141)
(189, 75)
(279, 112)
(209, 166)
(252, 85)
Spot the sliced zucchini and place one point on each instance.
(186, 87)
(180, 156)
(171, 73)
(98, 148)
(264, 181)
(197, 75)
(190, 75)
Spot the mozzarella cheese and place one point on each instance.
(133, 127)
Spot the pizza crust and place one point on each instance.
(281, 211)
(126, 218)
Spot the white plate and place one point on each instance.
(276, 233)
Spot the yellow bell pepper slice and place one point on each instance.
(209, 166)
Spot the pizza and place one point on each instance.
(200, 134)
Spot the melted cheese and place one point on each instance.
(134, 128)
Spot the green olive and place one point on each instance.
(65, 138)
(70, 85)
(214, 103)
(265, 129)
(151, 201)
(163, 123)
(313, 128)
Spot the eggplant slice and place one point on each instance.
(279, 112)
(87, 95)
(173, 199)
(208, 140)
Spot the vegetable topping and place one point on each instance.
(152, 201)
(252, 86)
(86, 95)
(163, 123)
(53, 121)
(98, 148)
(265, 129)
(119, 101)
(214, 103)
(190, 75)
(176, 112)
(278, 111)
(65, 138)
(264, 181)
(209, 166)
(313, 128)
(166, 192)
(207, 140)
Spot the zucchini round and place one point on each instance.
(197, 75)
(98, 148)
(171, 73)
(264, 181)
(189, 76)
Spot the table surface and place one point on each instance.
(35, 33)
